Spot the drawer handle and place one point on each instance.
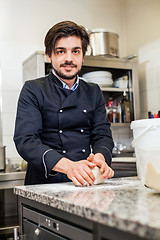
(15, 234)
(37, 232)
(56, 226)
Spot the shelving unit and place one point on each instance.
(118, 68)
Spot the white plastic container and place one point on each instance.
(146, 142)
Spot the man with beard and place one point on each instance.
(61, 126)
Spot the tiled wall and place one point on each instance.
(149, 78)
(11, 85)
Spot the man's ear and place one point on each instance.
(49, 58)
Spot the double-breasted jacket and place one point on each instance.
(53, 122)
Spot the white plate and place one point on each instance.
(97, 74)
(102, 81)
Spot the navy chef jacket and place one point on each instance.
(53, 122)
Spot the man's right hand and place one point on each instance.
(79, 172)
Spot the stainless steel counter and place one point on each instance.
(9, 180)
(8, 201)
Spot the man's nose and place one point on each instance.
(68, 56)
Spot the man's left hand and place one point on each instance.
(99, 160)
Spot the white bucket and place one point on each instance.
(146, 142)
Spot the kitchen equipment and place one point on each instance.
(102, 78)
(150, 168)
(2, 158)
(121, 82)
(103, 42)
(146, 142)
(40, 226)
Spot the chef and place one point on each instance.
(61, 127)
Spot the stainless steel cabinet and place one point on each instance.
(118, 67)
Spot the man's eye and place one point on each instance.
(75, 51)
(60, 52)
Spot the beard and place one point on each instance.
(62, 75)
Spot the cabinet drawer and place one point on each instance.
(34, 232)
(55, 226)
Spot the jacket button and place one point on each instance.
(83, 150)
(82, 130)
(60, 110)
(60, 131)
(64, 151)
(84, 110)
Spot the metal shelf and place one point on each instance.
(7, 224)
(113, 89)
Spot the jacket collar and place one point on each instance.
(64, 84)
(72, 98)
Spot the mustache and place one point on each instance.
(68, 63)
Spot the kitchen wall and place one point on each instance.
(24, 23)
(142, 18)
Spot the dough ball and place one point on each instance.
(97, 174)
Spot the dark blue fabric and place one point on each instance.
(68, 122)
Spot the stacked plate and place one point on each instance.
(102, 78)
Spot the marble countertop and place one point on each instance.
(123, 203)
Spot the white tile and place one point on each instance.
(144, 115)
(11, 151)
(151, 77)
(9, 101)
(8, 123)
(143, 101)
(158, 89)
(12, 79)
(152, 99)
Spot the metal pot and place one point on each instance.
(2, 158)
(104, 43)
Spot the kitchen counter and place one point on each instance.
(124, 204)
(8, 201)
(11, 179)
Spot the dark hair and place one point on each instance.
(65, 29)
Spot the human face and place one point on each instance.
(67, 58)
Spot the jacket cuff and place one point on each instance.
(49, 159)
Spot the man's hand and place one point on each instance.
(99, 160)
(79, 172)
